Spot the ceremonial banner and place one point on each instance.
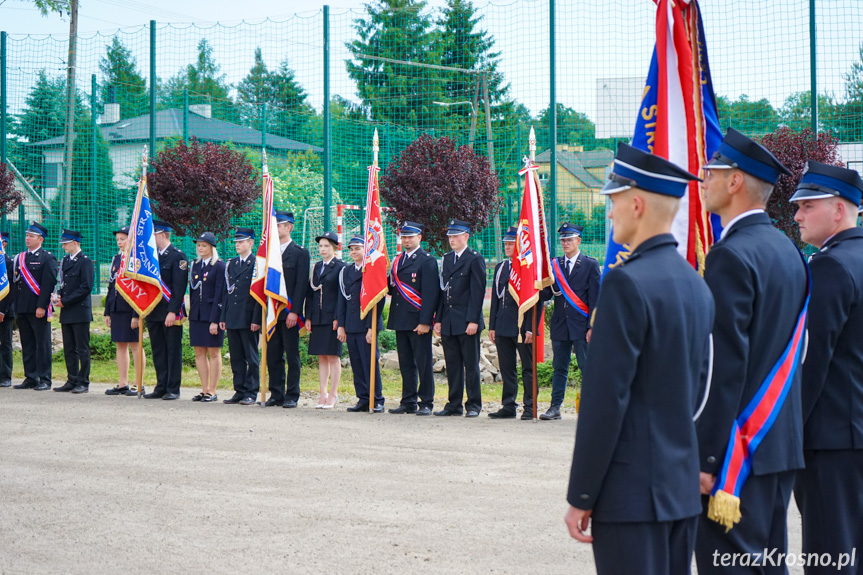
(530, 268)
(677, 120)
(375, 261)
(139, 279)
(4, 274)
(268, 282)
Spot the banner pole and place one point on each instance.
(263, 359)
(373, 363)
(139, 364)
(535, 354)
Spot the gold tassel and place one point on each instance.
(577, 401)
(724, 508)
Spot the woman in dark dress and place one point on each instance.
(321, 304)
(123, 321)
(206, 281)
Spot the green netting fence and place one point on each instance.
(479, 73)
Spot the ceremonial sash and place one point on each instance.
(301, 321)
(412, 296)
(566, 290)
(166, 291)
(32, 283)
(749, 429)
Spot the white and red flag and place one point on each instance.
(375, 261)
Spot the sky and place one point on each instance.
(759, 48)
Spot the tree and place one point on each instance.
(796, 112)
(46, 6)
(204, 84)
(200, 187)
(397, 30)
(793, 149)
(10, 196)
(573, 128)
(754, 118)
(122, 80)
(433, 182)
(288, 111)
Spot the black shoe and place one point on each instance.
(236, 398)
(153, 395)
(360, 406)
(472, 413)
(24, 385)
(117, 390)
(199, 397)
(379, 408)
(503, 414)
(171, 396)
(528, 414)
(247, 401)
(43, 386)
(81, 389)
(5, 384)
(404, 409)
(272, 402)
(66, 387)
(424, 410)
(133, 391)
(449, 412)
(289, 404)
(552, 414)
(209, 398)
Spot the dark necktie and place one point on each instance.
(568, 264)
(455, 259)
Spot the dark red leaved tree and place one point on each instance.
(199, 187)
(10, 196)
(433, 182)
(793, 149)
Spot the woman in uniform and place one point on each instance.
(206, 281)
(123, 321)
(321, 305)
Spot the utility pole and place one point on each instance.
(70, 113)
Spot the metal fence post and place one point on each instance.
(94, 186)
(328, 152)
(152, 93)
(552, 131)
(813, 88)
(185, 114)
(264, 126)
(3, 97)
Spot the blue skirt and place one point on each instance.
(199, 335)
(323, 340)
(121, 330)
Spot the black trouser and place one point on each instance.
(828, 494)
(415, 359)
(245, 361)
(284, 342)
(461, 353)
(35, 336)
(76, 352)
(6, 348)
(661, 548)
(507, 349)
(360, 353)
(167, 345)
(764, 509)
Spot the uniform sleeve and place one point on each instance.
(477, 290)
(111, 293)
(431, 295)
(47, 282)
(733, 290)
(495, 300)
(216, 310)
(592, 286)
(615, 348)
(342, 304)
(85, 287)
(830, 303)
(301, 285)
(307, 301)
(223, 301)
(178, 285)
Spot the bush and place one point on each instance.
(387, 340)
(545, 371)
(102, 348)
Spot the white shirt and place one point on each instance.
(162, 252)
(571, 261)
(412, 252)
(458, 254)
(73, 256)
(737, 219)
(285, 245)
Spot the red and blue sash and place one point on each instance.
(749, 429)
(566, 291)
(412, 296)
(301, 321)
(166, 291)
(32, 283)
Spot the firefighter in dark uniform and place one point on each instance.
(76, 311)
(635, 465)
(35, 278)
(7, 320)
(285, 341)
(573, 304)
(414, 292)
(357, 332)
(241, 320)
(828, 490)
(759, 282)
(163, 323)
(460, 321)
(504, 333)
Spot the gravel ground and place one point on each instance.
(99, 484)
